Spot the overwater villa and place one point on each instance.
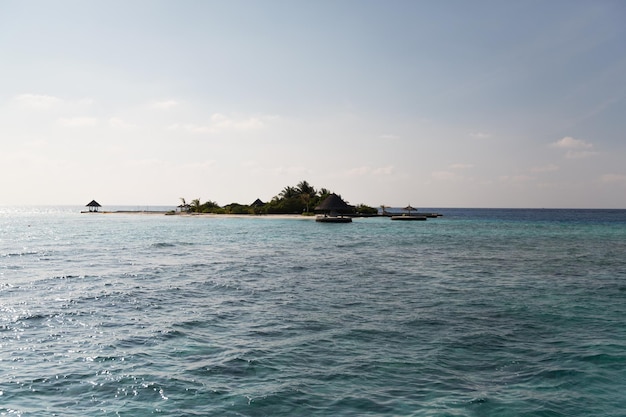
(333, 209)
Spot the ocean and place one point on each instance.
(481, 312)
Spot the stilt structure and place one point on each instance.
(333, 209)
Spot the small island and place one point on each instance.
(301, 199)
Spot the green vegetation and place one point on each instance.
(299, 199)
(362, 209)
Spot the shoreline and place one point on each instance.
(214, 215)
(243, 216)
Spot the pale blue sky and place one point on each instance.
(433, 104)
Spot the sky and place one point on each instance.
(432, 104)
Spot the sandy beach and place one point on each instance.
(213, 215)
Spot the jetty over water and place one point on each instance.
(406, 213)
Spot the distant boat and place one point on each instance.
(408, 215)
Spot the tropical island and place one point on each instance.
(299, 199)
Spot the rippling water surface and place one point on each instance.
(477, 313)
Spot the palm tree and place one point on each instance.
(306, 198)
(195, 203)
(288, 192)
(306, 192)
(324, 192)
(305, 188)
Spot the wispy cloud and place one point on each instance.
(569, 142)
(219, 122)
(389, 136)
(516, 178)
(222, 122)
(84, 101)
(367, 171)
(78, 121)
(37, 101)
(461, 166)
(358, 171)
(164, 104)
(198, 129)
(117, 123)
(147, 163)
(46, 102)
(571, 154)
(445, 176)
(388, 170)
(36, 144)
(198, 166)
(291, 170)
(545, 168)
(576, 148)
(613, 178)
(480, 135)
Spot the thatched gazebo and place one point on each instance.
(93, 206)
(333, 209)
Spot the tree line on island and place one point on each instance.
(299, 199)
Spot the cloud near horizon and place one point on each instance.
(571, 154)
(461, 166)
(78, 121)
(569, 142)
(37, 101)
(613, 178)
(480, 135)
(576, 148)
(119, 123)
(164, 104)
(219, 122)
(389, 136)
(199, 166)
(366, 170)
(545, 168)
(516, 178)
(445, 176)
(47, 102)
(291, 170)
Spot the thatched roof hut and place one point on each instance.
(93, 206)
(333, 205)
(257, 203)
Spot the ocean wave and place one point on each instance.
(462, 319)
(19, 254)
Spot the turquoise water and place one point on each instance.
(477, 313)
